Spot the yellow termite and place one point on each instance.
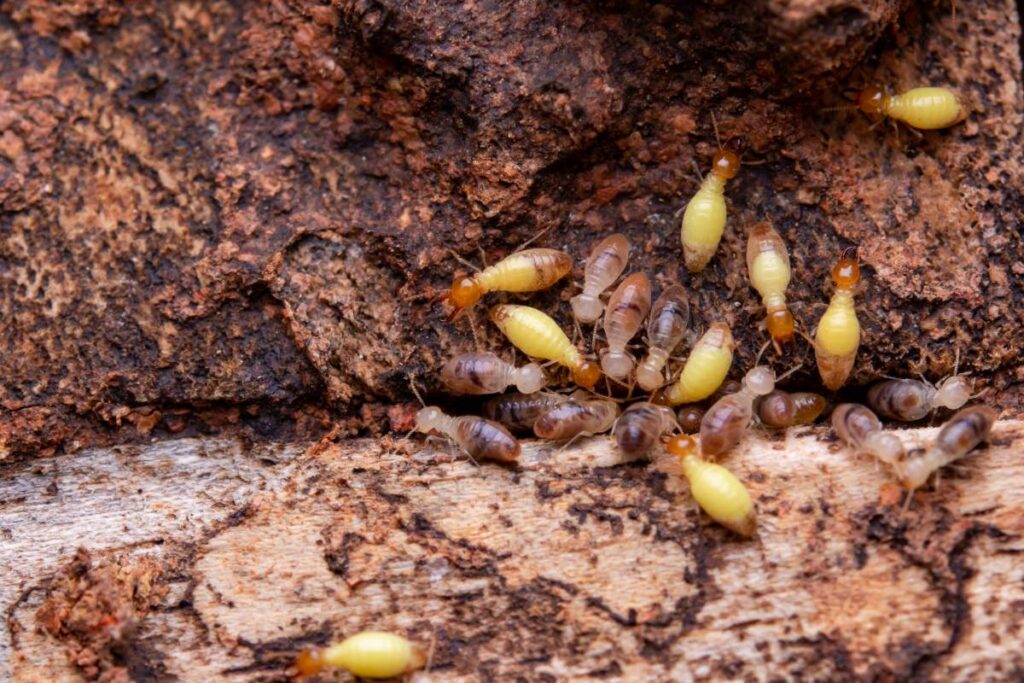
(705, 214)
(717, 490)
(768, 265)
(838, 334)
(922, 108)
(706, 368)
(370, 654)
(538, 336)
(529, 270)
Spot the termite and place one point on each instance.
(706, 367)
(538, 336)
(481, 438)
(724, 424)
(921, 108)
(958, 437)
(627, 308)
(519, 412)
(370, 654)
(640, 426)
(530, 270)
(666, 327)
(781, 409)
(578, 417)
(909, 400)
(485, 373)
(859, 429)
(838, 334)
(605, 265)
(704, 218)
(717, 490)
(768, 265)
(689, 418)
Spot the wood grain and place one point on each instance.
(574, 566)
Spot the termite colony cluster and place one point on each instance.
(677, 403)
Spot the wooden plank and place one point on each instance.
(576, 565)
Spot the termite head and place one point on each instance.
(846, 272)
(586, 374)
(871, 100)
(428, 419)
(953, 392)
(465, 292)
(682, 445)
(725, 164)
(530, 378)
(781, 326)
(617, 364)
(760, 380)
(586, 308)
(310, 662)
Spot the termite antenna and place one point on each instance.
(843, 108)
(789, 372)
(714, 124)
(763, 347)
(850, 253)
(472, 331)
(463, 261)
(415, 392)
(906, 503)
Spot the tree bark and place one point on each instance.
(214, 559)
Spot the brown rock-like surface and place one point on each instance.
(217, 215)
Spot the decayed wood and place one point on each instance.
(575, 565)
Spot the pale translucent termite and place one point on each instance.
(768, 265)
(838, 334)
(909, 400)
(781, 409)
(666, 327)
(923, 108)
(538, 336)
(518, 412)
(605, 265)
(627, 308)
(717, 490)
(529, 270)
(859, 429)
(724, 424)
(640, 426)
(481, 438)
(705, 215)
(961, 434)
(485, 373)
(706, 367)
(370, 654)
(579, 417)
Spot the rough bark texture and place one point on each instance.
(216, 560)
(220, 215)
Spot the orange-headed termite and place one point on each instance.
(838, 335)
(538, 336)
(530, 270)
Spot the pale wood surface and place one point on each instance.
(575, 566)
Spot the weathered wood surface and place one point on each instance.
(574, 566)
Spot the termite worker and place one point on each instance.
(717, 490)
(724, 424)
(859, 429)
(958, 437)
(640, 426)
(370, 654)
(921, 108)
(781, 409)
(909, 400)
(530, 270)
(838, 335)
(581, 416)
(479, 437)
(605, 265)
(706, 368)
(768, 265)
(519, 412)
(627, 308)
(705, 215)
(538, 336)
(665, 329)
(485, 373)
